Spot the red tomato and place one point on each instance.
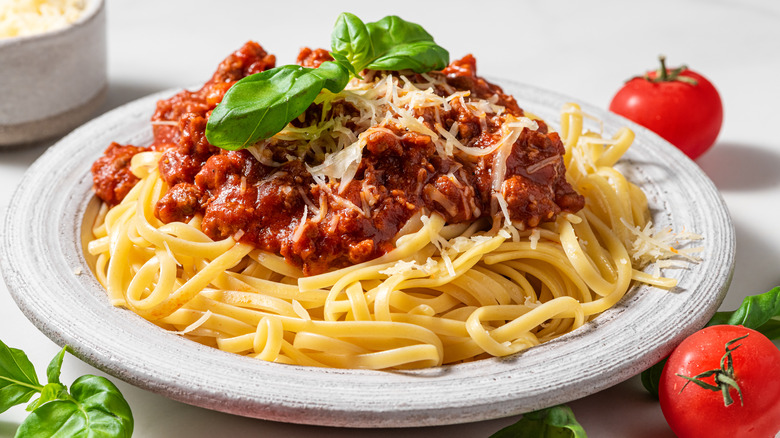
(693, 411)
(682, 106)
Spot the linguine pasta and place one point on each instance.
(447, 293)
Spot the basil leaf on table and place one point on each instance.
(260, 105)
(53, 371)
(50, 392)
(94, 407)
(54, 390)
(18, 382)
(651, 377)
(758, 312)
(555, 422)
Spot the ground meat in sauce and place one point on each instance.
(313, 57)
(400, 174)
(111, 173)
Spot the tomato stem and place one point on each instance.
(724, 376)
(664, 74)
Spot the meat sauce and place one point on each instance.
(399, 175)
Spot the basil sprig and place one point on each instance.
(758, 312)
(94, 407)
(260, 105)
(388, 44)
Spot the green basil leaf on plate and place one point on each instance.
(260, 105)
(419, 56)
(401, 45)
(350, 39)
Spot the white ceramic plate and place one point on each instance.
(48, 276)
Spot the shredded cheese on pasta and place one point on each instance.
(384, 100)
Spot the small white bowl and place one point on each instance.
(54, 81)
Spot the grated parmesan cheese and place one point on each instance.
(534, 237)
(650, 245)
(447, 250)
(430, 267)
(29, 17)
(332, 148)
(298, 233)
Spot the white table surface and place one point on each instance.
(581, 49)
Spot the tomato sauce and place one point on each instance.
(282, 209)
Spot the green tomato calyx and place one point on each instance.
(725, 378)
(664, 74)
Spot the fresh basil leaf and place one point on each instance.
(400, 45)
(651, 377)
(771, 328)
(18, 381)
(419, 56)
(333, 75)
(53, 370)
(95, 410)
(350, 39)
(555, 422)
(341, 59)
(392, 31)
(260, 105)
(758, 312)
(50, 392)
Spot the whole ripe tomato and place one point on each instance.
(730, 357)
(680, 105)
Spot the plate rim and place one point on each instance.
(405, 408)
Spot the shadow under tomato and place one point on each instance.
(740, 167)
(755, 271)
(628, 410)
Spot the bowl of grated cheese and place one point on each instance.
(53, 68)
